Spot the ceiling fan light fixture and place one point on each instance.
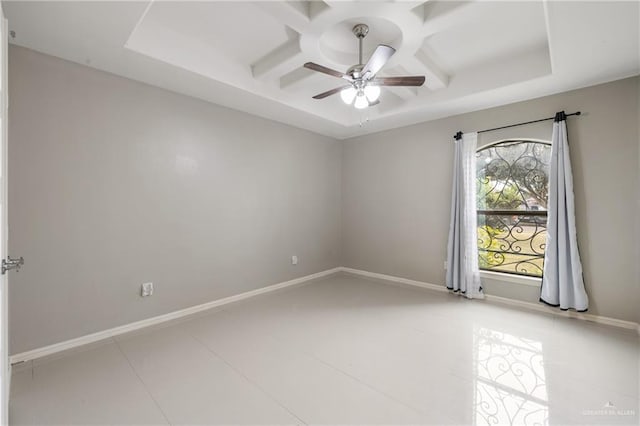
(372, 93)
(348, 95)
(361, 101)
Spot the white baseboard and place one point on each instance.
(630, 325)
(391, 278)
(101, 335)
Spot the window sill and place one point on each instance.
(515, 279)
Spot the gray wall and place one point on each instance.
(396, 193)
(115, 183)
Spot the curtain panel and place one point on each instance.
(562, 280)
(463, 273)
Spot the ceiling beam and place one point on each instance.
(293, 14)
(420, 64)
(295, 77)
(435, 77)
(440, 16)
(280, 61)
(407, 4)
(404, 93)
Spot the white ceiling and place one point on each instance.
(249, 55)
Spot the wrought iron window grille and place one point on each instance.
(512, 183)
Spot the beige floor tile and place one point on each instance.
(97, 386)
(343, 351)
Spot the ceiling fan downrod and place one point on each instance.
(360, 31)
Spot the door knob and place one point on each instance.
(9, 264)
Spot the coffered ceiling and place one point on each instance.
(249, 55)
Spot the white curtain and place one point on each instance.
(562, 282)
(463, 273)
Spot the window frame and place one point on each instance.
(500, 275)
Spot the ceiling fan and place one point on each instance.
(364, 87)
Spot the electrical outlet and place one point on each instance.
(146, 289)
(294, 260)
(445, 265)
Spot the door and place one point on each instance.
(5, 373)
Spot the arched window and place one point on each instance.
(512, 189)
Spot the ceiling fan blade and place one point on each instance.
(399, 81)
(374, 103)
(319, 68)
(330, 92)
(380, 57)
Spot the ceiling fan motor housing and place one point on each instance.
(355, 71)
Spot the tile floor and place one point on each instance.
(343, 351)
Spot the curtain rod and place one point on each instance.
(459, 134)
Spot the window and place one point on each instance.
(512, 188)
